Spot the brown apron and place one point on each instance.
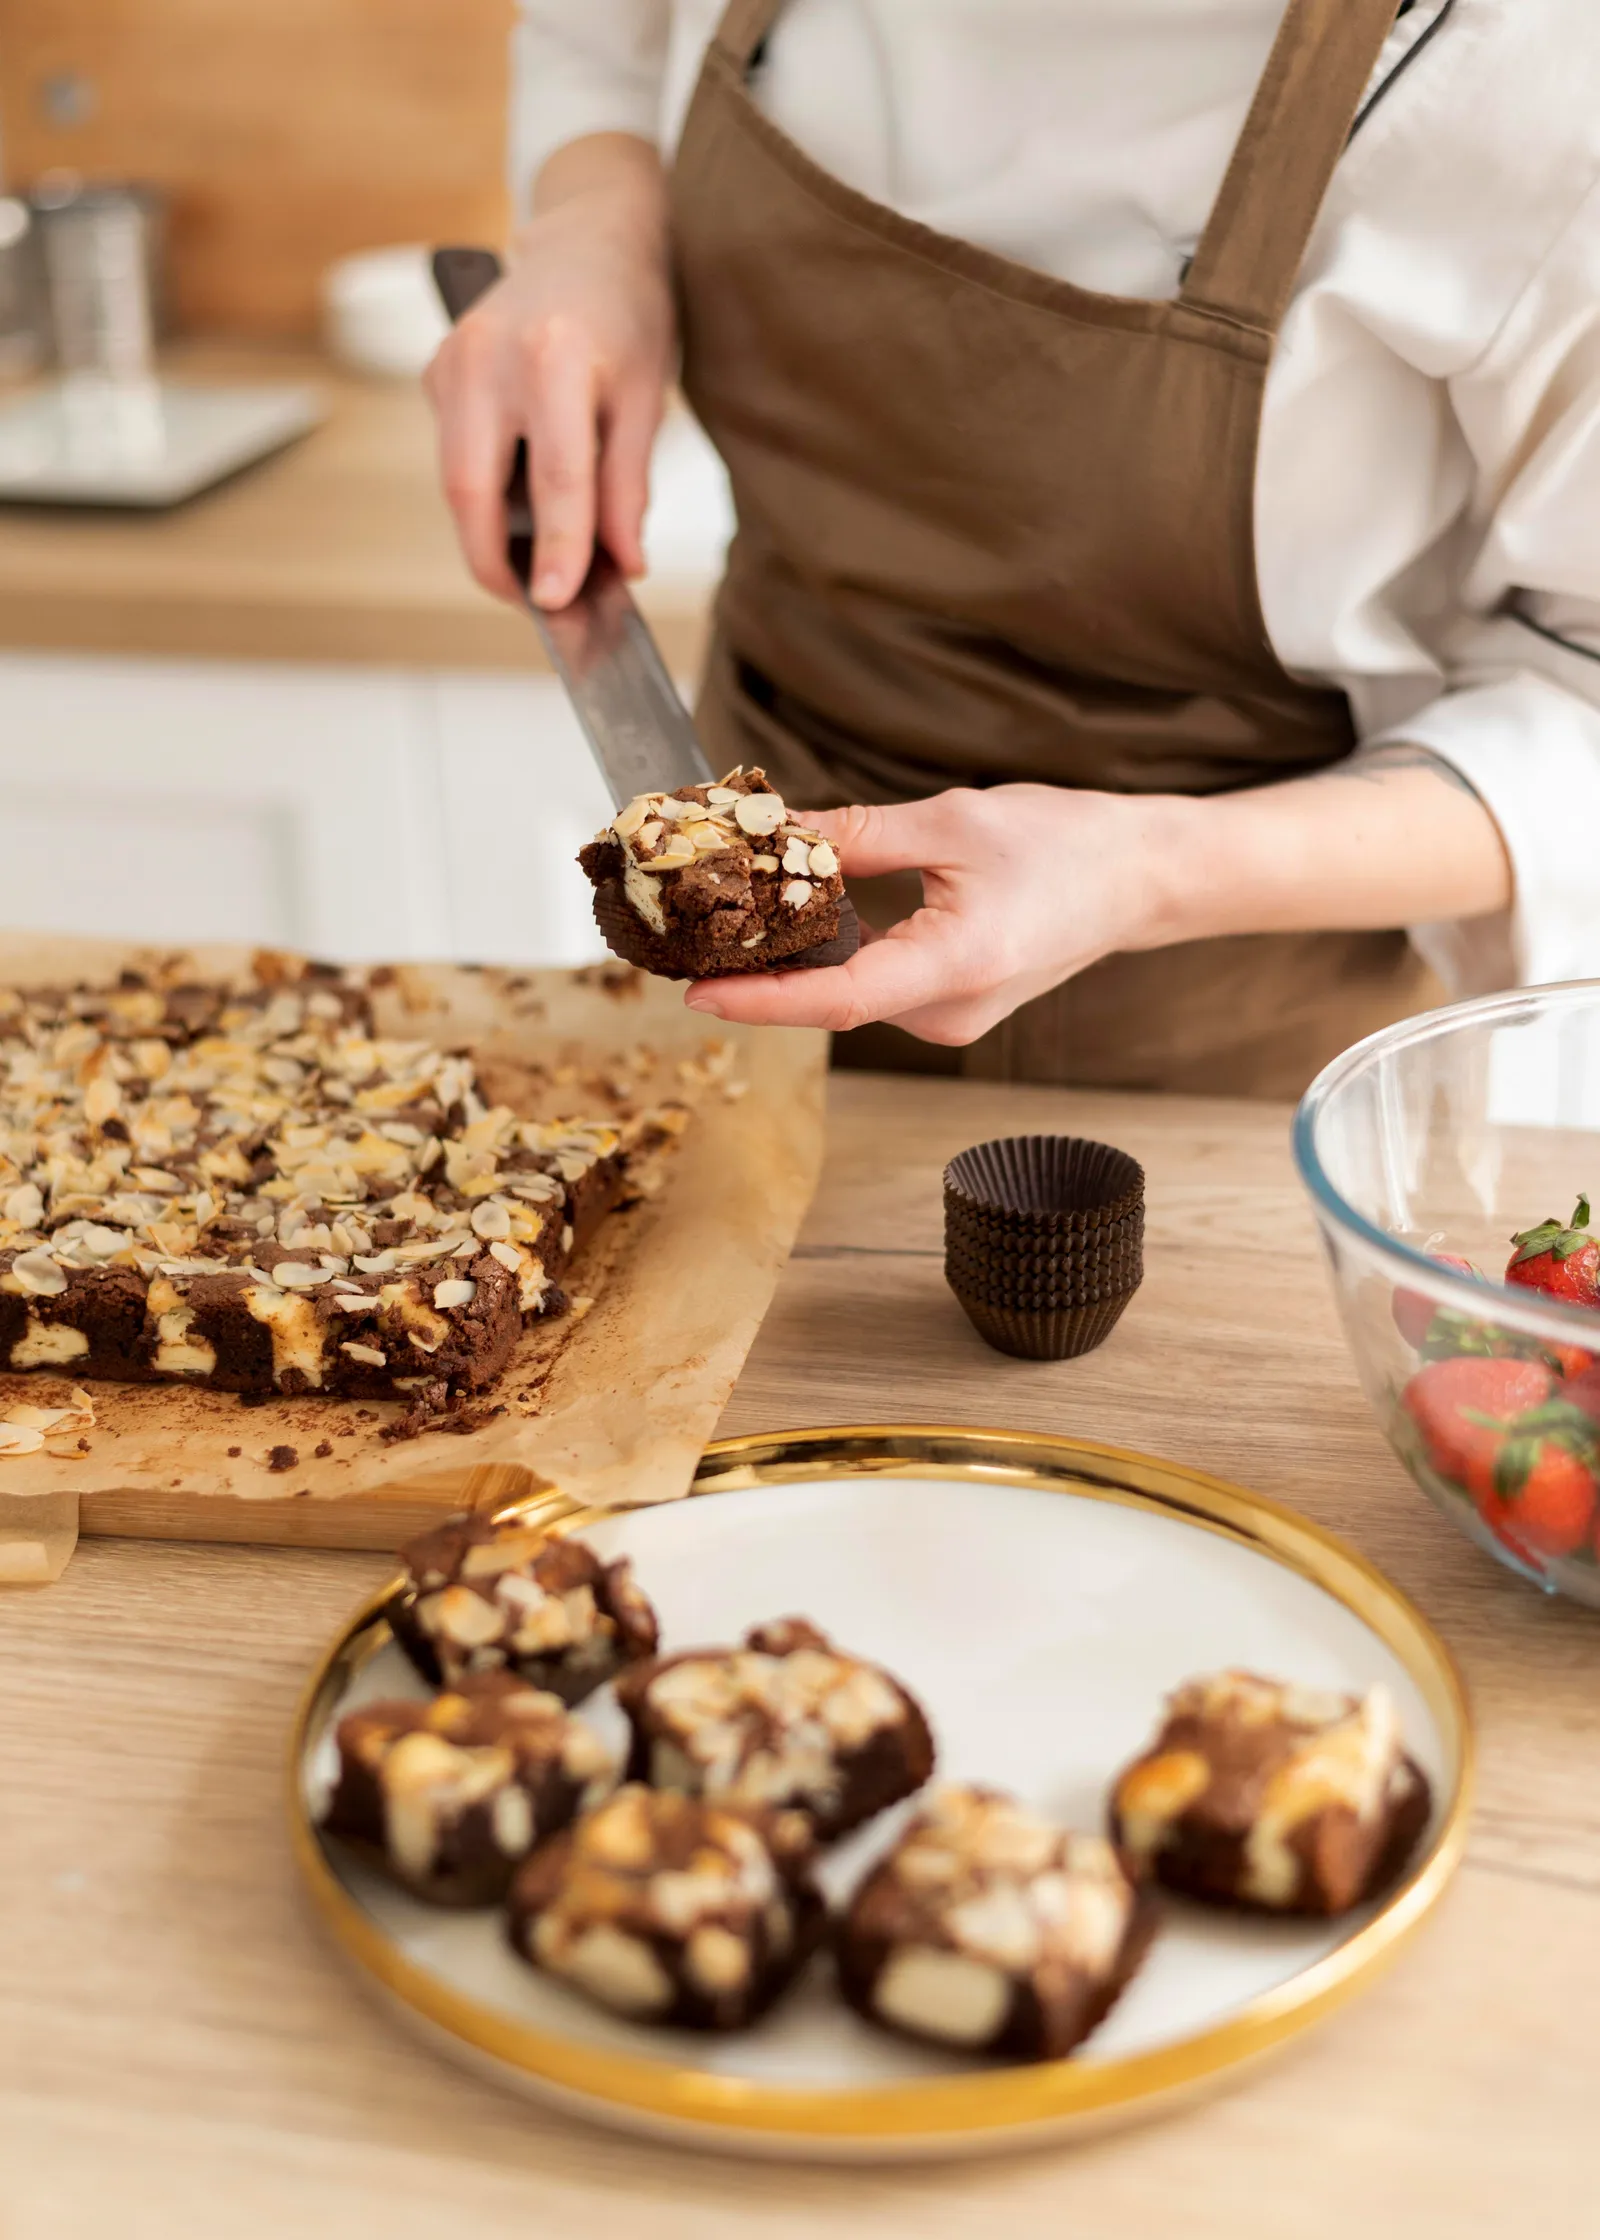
(994, 527)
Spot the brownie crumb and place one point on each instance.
(234, 1453)
(83, 1446)
(322, 1449)
(436, 1408)
(282, 1458)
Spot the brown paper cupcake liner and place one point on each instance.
(1038, 1302)
(1124, 1246)
(991, 1221)
(1047, 1182)
(1121, 1245)
(1003, 1222)
(1002, 1291)
(1058, 1334)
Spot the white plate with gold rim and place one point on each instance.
(1040, 1595)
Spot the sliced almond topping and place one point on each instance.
(299, 1275)
(797, 893)
(507, 1255)
(629, 819)
(759, 813)
(373, 1356)
(455, 1291)
(824, 860)
(796, 856)
(491, 1219)
(38, 1273)
(20, 1438)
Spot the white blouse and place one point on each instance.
(1428, 489)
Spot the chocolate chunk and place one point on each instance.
(1289, 1800)
(786, 1721)
(672, 1910)
(483, 1595)
(448, 1796)
(714, 879)
(993, 1930)
(282, 1458)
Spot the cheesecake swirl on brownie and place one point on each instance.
(253, 1189)
(713, 879)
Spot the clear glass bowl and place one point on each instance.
(1449, 1134)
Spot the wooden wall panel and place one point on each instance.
(288, 132)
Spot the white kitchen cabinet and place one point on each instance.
(351, 812)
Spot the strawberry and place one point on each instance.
(1564, 1263)
(1464, 1407)
(1584, 1392)
(1413, 1314)
(1539, 1493)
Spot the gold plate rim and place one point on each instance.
(1016, 2101)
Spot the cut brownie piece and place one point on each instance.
(448, 1796)
(251, 1188)
(788, 1720)
(484, 1595)
(671, 1910)
(713, 879)
(1259, 1794)
(993, 1930)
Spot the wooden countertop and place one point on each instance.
(177, 2047)
(338, 549)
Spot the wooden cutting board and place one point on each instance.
(615, 1400)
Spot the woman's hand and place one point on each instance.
(1022, 887)
(1025, 885)
(572, 350)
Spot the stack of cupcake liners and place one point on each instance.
(1044, 1241)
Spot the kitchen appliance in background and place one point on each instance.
(22, 315)
(100, 253)
(108, 430)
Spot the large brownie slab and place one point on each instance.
(255, 1190)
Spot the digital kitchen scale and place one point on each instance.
(90, 442)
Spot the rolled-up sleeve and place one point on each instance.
(1520, 721)
(582, 66)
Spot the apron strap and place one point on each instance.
(745, 23)
(1254, 244)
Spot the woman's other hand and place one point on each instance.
(571, 350)
(1023, 886)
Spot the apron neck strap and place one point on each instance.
(1254, 243)
(745, 23)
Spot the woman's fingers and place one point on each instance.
(475, 447)
(627, 441)
(910, 968)
(563, 447)
(898, 836)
